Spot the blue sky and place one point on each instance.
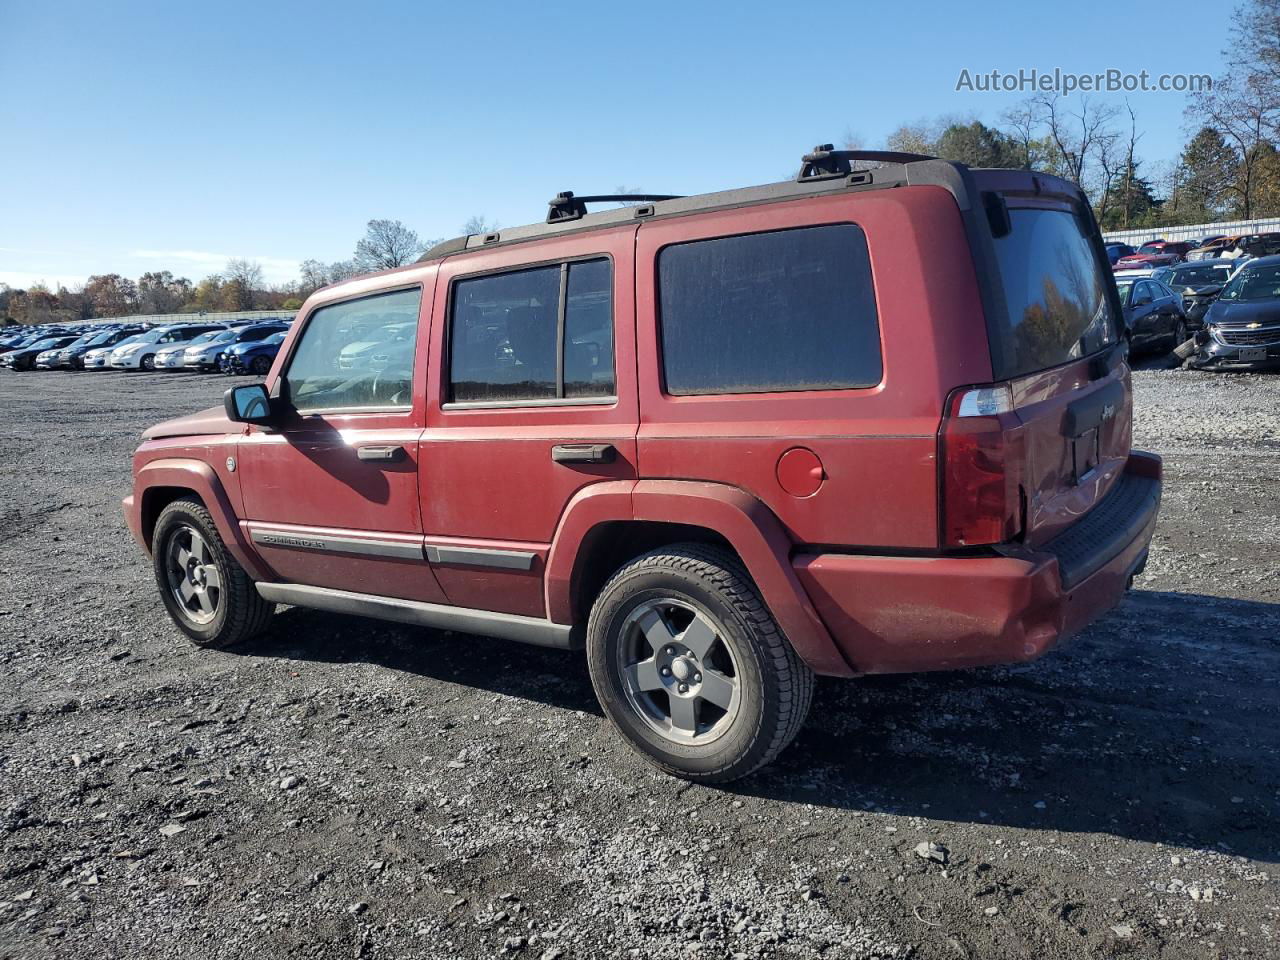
(173, 136)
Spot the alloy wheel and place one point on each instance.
(678, 671)
(194, 577)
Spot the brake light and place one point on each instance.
(979, 493)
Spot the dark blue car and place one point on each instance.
(255, 356)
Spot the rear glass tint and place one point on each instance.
(783, 311)
(1056, 293)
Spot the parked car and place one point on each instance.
(72, 356)
(140, 352)
(1153, 315)
(253, 356)
(24, 357)
(648, 431)
(211, 355)
(1198, 283)
(1155, 253)
(173, 357)
(1117, 250)
(1243, 324)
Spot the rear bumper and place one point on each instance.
(906, 614)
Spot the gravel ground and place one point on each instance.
(344, 788)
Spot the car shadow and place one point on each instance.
(1157, 724)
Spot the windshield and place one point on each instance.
(102, 338)
(1257, 283)
(1154, 247)
(1189, 276)
(208, 337)
(49, 343)
(151, 336)
(1055, 289)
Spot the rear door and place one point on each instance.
(1053, 338)
(532, 397)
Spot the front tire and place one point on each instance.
(261, 366)
(148, 362)
(690, 666)
(208, 594)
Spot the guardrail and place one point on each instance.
(1227, 228)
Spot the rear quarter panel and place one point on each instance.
(878, 445)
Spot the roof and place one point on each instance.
(825, 171)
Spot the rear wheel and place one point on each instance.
(207, 593)
(1180, 334)
(690, 666)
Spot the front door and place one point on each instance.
(331, 490)
(531, 397)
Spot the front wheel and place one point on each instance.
(207, 593)
(690, 666)
(149, 362)
(261, 366)
(1180, 334)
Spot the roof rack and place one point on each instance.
(568, 207)
(827, 163)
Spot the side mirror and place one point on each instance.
(248, 404)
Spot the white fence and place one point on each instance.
(161, 319)
(1229, 228)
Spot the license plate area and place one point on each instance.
(1248, 354)
(1084, 454)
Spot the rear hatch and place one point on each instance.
(1053, 322)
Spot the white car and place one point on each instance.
(169, 358)
(140, 353)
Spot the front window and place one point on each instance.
(1055, 292)
(1258, 283)
(358, 353)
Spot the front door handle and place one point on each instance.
(583, 453)
(381, 454)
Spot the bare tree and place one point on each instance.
(1242, 111)
(479, 224)
(1076, 134)
(246, 272)
(387, 244)
(1022, 122)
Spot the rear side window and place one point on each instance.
(358, 353)
(789, 310)
(544, 333)
(1055, 291)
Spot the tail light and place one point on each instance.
(980, 502)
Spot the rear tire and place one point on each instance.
(690, 666)
(208, 594)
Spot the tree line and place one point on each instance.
(239, 286)
(1228, 169)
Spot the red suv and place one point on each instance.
(868, 421)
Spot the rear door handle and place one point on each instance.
(583, 453)
(381, 454)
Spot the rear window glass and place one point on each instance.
(789, 310)
(1056, 294)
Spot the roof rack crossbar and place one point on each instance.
(826, 162)
(568, 207)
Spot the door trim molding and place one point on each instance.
(508, 626)
(369, 546)
(481, 557)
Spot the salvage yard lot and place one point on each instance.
(345, 788)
